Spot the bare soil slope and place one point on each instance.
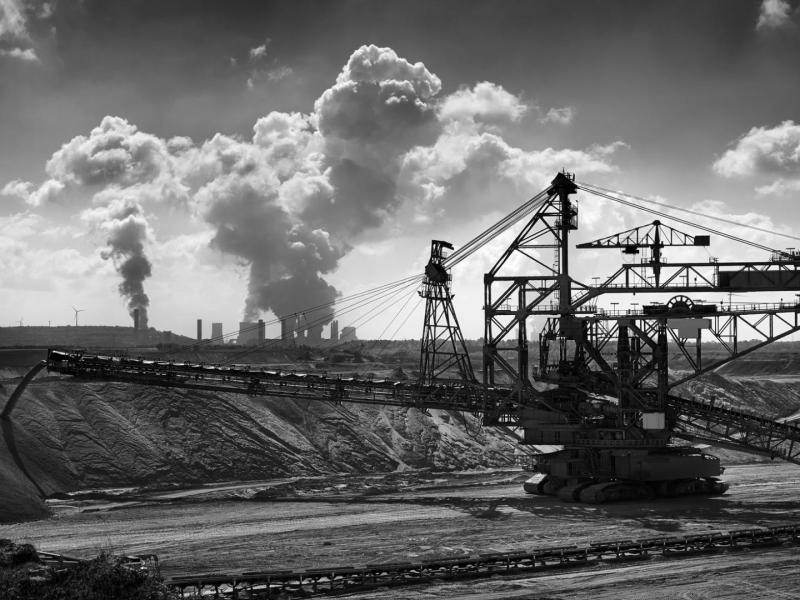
(71, 435)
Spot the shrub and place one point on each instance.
(103, 578)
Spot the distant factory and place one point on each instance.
(251, 333)
(295, 329)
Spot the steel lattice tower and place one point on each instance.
(443, 352)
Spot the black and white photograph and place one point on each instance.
(399, 299)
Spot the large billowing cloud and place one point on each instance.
(380, 107)
(290, 201)
(766, 152)
(472, 168)
(114, 153)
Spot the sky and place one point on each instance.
(236, 160)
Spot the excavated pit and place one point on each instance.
(228, 483)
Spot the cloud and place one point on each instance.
(779, 187)
(263, 70)
(115, 152)
(47, 192)
(279, 73)
(561, 116)
(27, 191)
(17, 188)
(766, 152)
(380, 107)
(259, 52)
(15, 39)
(380, 143)
(13, 24)
(773, 14)
(469, 169)
(27, 55)
(486, 101)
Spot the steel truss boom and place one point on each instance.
(692, 277)
(243, 379)
(694, 420)
(738, 430)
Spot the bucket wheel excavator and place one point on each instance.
(597, 397)
(603, 388)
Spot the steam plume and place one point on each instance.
(290, 202)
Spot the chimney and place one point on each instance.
(199, 330)
(136, 319)
(262, 331)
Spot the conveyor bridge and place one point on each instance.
(695, 421)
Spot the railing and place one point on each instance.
(723, 308)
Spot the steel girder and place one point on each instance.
(704, 422)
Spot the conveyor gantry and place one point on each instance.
(695, 421)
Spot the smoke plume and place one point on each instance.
(127, 230)
(291, 201)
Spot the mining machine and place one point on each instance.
(603, 387)
(601, 384)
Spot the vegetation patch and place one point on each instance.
(23, 576)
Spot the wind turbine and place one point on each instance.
(77, 310)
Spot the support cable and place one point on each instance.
(458, 256)
(587, 186)
(681, 220)
(387, 296)
(496, 230)
(343, 300)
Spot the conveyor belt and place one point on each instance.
(695, 421)
(735, 429)
(244, 379)
(338, 579)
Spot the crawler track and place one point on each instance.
(340, 579)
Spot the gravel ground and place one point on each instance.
(218, 529)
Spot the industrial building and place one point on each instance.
(287, 328)
(248, 333)
(334, 330)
